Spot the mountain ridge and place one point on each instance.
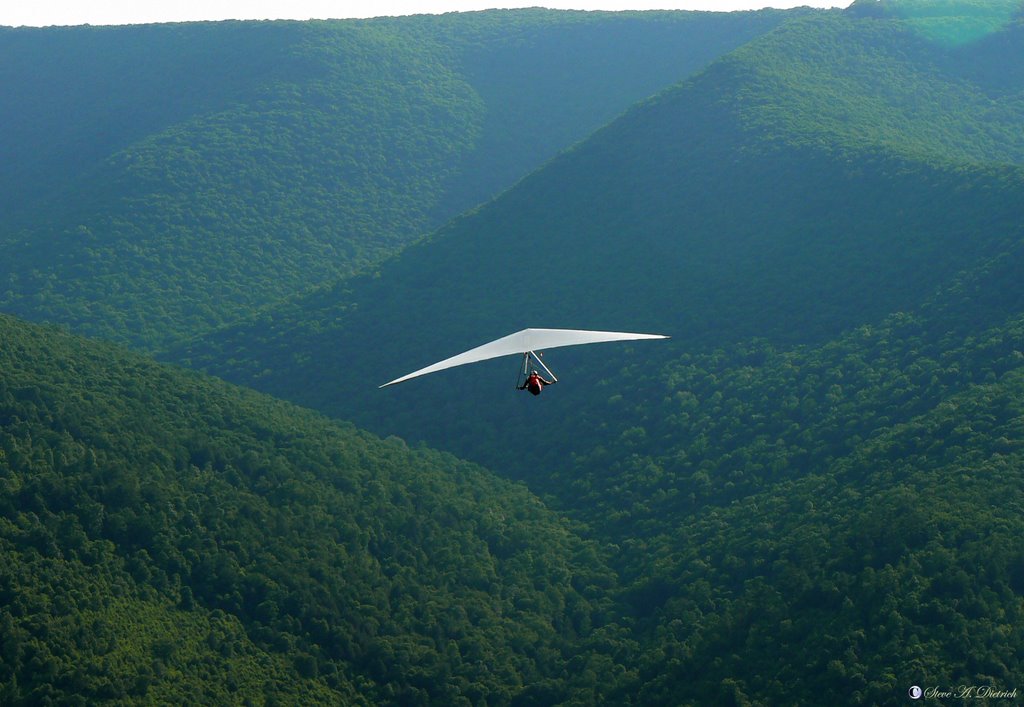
(299, 154)
(350, 566)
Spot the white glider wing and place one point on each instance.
(526, 341)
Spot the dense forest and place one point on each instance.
(168, 537)
(812, 494)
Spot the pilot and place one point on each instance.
(534, 383)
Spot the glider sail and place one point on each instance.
(526, 341)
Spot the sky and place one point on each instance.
(42, 13)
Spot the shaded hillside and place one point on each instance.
(168, 537)
(717, 212)
(160, 180)
(550, 78)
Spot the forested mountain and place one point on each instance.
(812, 494)
(168, 538)
(160, 180)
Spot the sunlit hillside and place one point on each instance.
(167, 537)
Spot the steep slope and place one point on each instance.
(168, 537)
(717, 212)
(549, 78)
(160, 180)
(829, 524)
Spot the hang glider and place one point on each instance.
(526, 343)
